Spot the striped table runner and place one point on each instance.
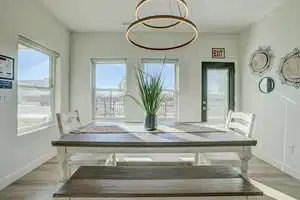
(138, 127)
(164, 133)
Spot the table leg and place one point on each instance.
(114, 159)
(197, 159)
(245, 156)
(63, 163)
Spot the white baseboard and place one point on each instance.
(294, 173)
(9, 179)
(276, 163)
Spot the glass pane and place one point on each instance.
(33, 67)
(111, 76)
(109, 103)
(168, 108)
(110, 87)
(34, 106)
(168, 72)
(217, 95)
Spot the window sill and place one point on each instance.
(36, 130)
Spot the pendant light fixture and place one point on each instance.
(143, 3)
(145, 21)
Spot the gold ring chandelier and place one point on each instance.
(182, 2)
(145, 21)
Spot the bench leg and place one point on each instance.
(63, 163)
(245, 156)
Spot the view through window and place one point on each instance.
(217, 95)
(110, 88)
(35, 89)
(168, 71)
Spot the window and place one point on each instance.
(110, 87)
(168, 70)
(35, 85)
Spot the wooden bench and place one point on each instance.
(171, 181)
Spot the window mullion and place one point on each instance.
(34, 87)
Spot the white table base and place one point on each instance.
(63, 154)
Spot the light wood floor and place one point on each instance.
(42, 182)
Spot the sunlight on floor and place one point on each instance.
(271, 192)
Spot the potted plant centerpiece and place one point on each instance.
(151, 96)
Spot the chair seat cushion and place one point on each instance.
(225, 158)
(89, 158)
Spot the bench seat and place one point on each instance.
(156, 181)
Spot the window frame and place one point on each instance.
(176, 81)
(96, 61)
(53, 56)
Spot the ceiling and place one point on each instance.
(228, 16)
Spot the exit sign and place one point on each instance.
(218, 53)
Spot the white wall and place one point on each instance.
(85, 46)
(277, 124)
(18, 154)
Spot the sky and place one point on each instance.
(110, 75)
(168, 72)
(33, 65)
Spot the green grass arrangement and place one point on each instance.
(150, 91)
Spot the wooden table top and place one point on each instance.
(174, 181)
(181, 135)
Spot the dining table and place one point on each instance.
(170, 137)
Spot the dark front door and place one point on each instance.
(217, 91)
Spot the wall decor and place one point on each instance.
(261, 60)
(289, 69)
(6, 68)
(5, 84)
(266, 85)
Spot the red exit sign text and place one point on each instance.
(218, 53)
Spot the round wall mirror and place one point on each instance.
(261, 60)
(266, 85)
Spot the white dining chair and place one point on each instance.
(241, 123)
(70, 123)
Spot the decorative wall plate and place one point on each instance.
(261, 60)
(289, 69)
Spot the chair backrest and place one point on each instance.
(68, 122)
(240, 122)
